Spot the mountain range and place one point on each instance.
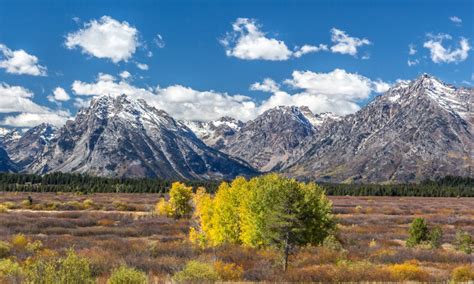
(417, 130)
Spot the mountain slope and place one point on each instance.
(215, 133)
(121, 136)
(268, 141)
(28, 148)
(417, 130)
(6, 165)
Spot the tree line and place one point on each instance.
(449, 186)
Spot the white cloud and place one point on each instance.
(105, 38)
(20, 62)
(380, 86)
(337, 91)
(345, 44)
(125, 75)
(142, 66)
(305, 49)
(456, 20)
(412, 49)
(247, 41)
(179, 101)
(442, 54)
(159, 41)
(59, 95)
(34, 119)
(17, 99)
(413, 62)
(268, 85)
(335, 83)
(81, 103)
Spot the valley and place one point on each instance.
(121, 228)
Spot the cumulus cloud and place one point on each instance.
(456, 20)
(345, 44)
(180, 101)
(442, 54)
(125, 75)
(59, 95)
(105, 38)
(380, 86)
(142, 66)
(20, 62)
(34, 119)
(305, 49)
(267, 85)
(337, 91)
(247, 41)
(17, 101)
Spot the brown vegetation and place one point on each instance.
(117, 230)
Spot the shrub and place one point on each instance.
(3, 208)
(9, 204)
(196, 271)
(5, 249)
(127, 275)
(42, 271)
(19, 241)
(74, 269)
(463, 242)
(408, 271)
(10, 271)
(71, 269)
(463, 274)
(332, 243)
(435, 237)
(73, 205)
(228, 271)
(163, 208)
(121, 206)
(88, 203)
(418, 232)
(34, 246)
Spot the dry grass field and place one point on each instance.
(114, 229)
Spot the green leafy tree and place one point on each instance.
(180, 198)
(266, 211)
(435, 237)
(418, 232)
(179, 204)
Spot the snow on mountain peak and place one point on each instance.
(446, 96)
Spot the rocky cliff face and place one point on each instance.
(268, 141)
(417, 130)
(25, 149)
(6, 165)
(122, 136)
(217, 132)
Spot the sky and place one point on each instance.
(200, 60)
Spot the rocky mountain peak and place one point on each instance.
(124, 136)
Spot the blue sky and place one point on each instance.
(203, 56)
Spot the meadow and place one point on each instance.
(110, 230)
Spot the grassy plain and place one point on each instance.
(114, 229)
